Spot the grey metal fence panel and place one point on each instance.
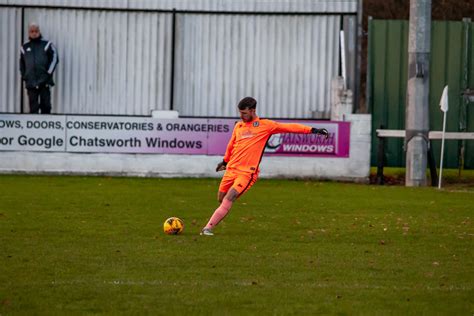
(120, 62)
(286, 62)
(109, 62)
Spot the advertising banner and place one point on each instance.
(32, 132)
(190, 136)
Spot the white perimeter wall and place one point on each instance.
(354, 168)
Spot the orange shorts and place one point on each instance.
(240, 181)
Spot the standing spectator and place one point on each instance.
(38, 60)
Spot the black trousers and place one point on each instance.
(40, 99)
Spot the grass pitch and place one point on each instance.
(73, 245)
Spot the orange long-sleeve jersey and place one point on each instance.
(246, 146)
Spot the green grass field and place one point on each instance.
(74, 245)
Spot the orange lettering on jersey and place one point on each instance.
(247, 134)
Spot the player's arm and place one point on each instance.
(298, 128)
(228, 152)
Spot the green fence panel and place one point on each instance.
(445, 67)
(451, 63)
(389, 64)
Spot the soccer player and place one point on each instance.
(243, 155)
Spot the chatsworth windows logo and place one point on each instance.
(274, 143)
(304, 143)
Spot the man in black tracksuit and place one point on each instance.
(38, 60)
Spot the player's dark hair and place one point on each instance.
(247, 103)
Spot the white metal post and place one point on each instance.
(343, 58)
(442, 152)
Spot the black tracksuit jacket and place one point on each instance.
(38, 60)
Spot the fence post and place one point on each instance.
(380, 159)
(432, 165)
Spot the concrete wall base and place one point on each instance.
(355, 168)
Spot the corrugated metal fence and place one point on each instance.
(110, 62)
(286, 62)
(452, 64)
(128, 62)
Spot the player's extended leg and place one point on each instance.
(221, 211)
(240, 183)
